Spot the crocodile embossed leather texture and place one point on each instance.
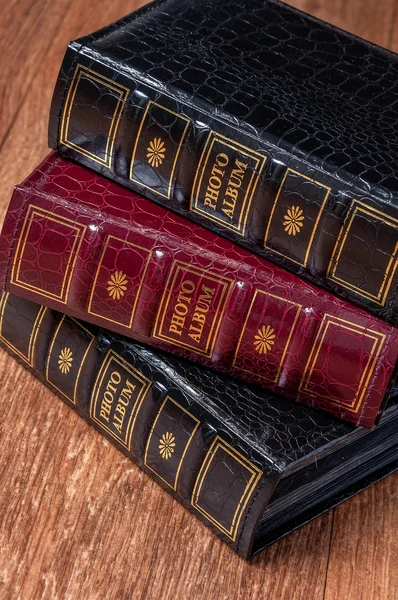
(254, 120)
(218, 446)
(76, 242)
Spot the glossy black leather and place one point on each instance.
(302, 93)
(266, 432)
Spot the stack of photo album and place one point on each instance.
(204, 266)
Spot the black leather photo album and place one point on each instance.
(253, 119)
(250, 465)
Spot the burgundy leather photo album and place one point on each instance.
(79, 243)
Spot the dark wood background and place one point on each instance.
(79, 520)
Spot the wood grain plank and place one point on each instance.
(366, 18)
(26, 143)
(77, 519)
(26, 33)
(364, 549)
(393, 44)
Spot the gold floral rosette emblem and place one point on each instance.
(167, 445)
(294, 220)
(156, 152)
(65, 360)
(117, 285)
(265, 339)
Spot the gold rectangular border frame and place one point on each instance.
(251, 189)
(215, 327)
(74, 399)
(321, 209)
(169, 398)
(70, 98)
(255, 472)
(356, 207)
(188, 122)
(46, 214)
(299, 307)
(147, 384)
(146, 263)
(368, 370)
(33, 335)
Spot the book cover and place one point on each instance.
(255, 120)
(250, 465)
(79, 243)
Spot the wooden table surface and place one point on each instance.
(78, 520)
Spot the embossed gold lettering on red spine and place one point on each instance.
(220, 447)
(79, 243)
(255, 120)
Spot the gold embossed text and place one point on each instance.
(200, 310)
(216, 182)
(114, 403)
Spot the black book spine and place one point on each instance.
(150, 413)
(219, 172)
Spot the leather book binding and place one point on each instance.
(81, 244)
(250, 465)
(251, 118)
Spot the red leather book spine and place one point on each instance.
(79, 243)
